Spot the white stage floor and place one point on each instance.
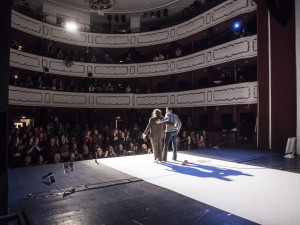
(262, 195)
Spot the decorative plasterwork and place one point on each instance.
(242, 93)
(218, 14)
(231, 51)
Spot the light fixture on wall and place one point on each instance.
(71, 26)
(102, 6)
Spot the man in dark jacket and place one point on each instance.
(157, 133)
(171, 132)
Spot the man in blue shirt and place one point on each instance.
(170, 132)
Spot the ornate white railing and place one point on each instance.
(216, 15)
(242, 93)
(241, 48)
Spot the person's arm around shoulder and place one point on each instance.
(165, 119)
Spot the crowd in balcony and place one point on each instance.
(48, 48)
(83, 85)
(62, 142)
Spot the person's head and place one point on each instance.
(201, 138)
(123, 135)
(85, 149)
(120, 147)
(96, 132)
(57, 158)
(168, 110)
(131, 145)
(63, 138)
(41, 159)
(156, 113)
(75, 145)
(27, 160)
(72, 156)
(30, 140)
(144, 147)
(110, 149)
(99, 151)
(88, 133)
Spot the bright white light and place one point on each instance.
(71, 26)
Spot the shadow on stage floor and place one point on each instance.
(204, 171)
(233, 154)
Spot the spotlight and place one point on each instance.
(236, 25)
(71, 26)
(16, 76)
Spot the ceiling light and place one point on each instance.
(101, 6)
(71, 26)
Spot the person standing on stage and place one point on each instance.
(156, 133)
(171, 132)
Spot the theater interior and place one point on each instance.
(80, 81)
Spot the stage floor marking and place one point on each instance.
(262, 195)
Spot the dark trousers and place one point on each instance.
(157, 148)
(170, 136)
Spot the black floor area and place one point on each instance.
(131, 203)
(107, 196)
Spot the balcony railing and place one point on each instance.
(240, 48)
(235, 94)
(216, 15)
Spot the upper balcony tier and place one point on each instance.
(216, 15)
(237, 49)
(235, 94)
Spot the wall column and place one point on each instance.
(5, 21)
(297, 31)
(276, 77)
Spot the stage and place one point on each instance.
(245, 187)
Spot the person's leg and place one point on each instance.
(174, 145)
(159, 149)
(166, 145)
(155, 147)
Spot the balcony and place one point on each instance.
(236, 94)
(216, 15)
(237, 49)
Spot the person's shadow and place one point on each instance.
(205, 171)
